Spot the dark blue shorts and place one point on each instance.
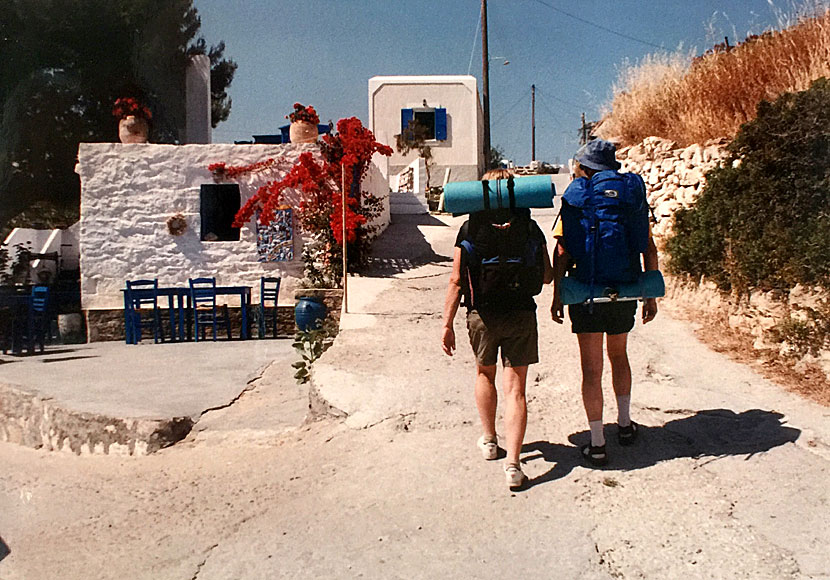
(607, 317)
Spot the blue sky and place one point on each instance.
(323, 52)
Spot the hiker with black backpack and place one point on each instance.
(500, 263)
(603, 234)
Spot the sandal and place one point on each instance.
(628, 435)
(596, 456)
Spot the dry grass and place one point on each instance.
(693, 100)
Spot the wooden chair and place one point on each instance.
(269, 291)
(142, 298)
(205, 311)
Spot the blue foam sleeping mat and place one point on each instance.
(471, 196)
(650, 285)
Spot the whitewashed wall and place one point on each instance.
(129, 191)
(458, 94)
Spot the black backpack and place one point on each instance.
(502, 263)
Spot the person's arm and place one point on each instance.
(451, 303)
(650, 263)
(560, 264)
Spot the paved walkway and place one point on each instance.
(728, 481)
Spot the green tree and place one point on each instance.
(63, 63)
(763, 220)
(494, 158)
(415, 138)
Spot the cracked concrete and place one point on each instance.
(113, 398)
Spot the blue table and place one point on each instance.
(179, 308)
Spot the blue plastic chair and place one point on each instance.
(39, 319)
(269, 291)
(142, 296)
(203, 304)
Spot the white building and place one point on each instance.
(449, 106)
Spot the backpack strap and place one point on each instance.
(485, 193)
(511, 193)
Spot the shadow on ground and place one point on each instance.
(709, 433)
(4, 549)
(402, 247)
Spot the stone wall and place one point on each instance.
(674, 178)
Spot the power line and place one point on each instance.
(589, 23)
(522, 97)
(475, 39)
(561, 100)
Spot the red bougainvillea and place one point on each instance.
(345, 160)
(346, 154)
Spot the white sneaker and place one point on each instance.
(489, 447)
(514, 475)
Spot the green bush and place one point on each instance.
(763, 220)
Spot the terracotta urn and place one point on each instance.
(302, 132)
(132, 129)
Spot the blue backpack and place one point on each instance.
(605, 227)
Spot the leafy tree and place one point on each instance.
(414, 138)
(65, 62)
(763, 219)
(494, 158)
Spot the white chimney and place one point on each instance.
(197, 91)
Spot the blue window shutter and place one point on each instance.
(441, 124)
(406, 117)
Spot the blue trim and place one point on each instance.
(406, 117)
(441, 124)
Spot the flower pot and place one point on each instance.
(302, 132)
(309, 313)
(132, 129)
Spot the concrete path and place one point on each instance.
(730, 478)
(110, 397)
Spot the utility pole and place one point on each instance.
(584, 138)
(533, 122)
(485, 82)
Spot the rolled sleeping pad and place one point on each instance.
(473, 196)
(650, 285)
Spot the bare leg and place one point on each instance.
(620, 369)
(486, 398)
(515, 413)
(590, 353)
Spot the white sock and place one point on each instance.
(597, 434)
(623, 408)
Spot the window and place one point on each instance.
(218, 204)
(433, 119)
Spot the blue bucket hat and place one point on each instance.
(598, 154)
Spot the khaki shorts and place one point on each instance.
(514, 332)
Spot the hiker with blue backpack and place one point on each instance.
(500, 263)
(602, 236)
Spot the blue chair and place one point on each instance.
(142, 297)
(203, 303)
(39, 317)
(269, 291)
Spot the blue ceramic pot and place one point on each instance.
(309, 313)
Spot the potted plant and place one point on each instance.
(304, 122)
(133, 120)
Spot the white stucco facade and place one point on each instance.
(129, 191)
(457, 95)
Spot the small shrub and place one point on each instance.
(763, 219)
(310, 345)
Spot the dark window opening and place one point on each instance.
(426, 119)
(218, 204)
